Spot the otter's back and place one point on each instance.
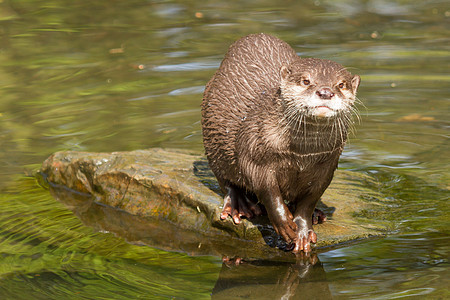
(251, 66)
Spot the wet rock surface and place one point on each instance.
(169, 199)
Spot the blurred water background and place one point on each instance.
(126, 75)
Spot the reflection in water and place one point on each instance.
(305, 279)
(155, 232)
(161, 233)
(257, 279)
(63, 88)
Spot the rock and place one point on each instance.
(170, 199)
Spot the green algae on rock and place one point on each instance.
(170, 199)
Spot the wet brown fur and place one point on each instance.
(258, 140)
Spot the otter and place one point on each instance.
(274, 126)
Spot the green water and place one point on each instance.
(126, 75)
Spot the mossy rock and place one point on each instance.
(170, 199)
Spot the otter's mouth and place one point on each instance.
(323, 111)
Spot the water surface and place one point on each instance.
(117, 76)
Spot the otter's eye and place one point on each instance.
(306, 82)
(341, 85)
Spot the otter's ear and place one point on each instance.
(284, 72)
(355, 83)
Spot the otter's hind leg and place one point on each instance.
(237, 203)
(318, 217)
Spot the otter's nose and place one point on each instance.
(325, 93)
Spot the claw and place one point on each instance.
(237, 204)
(303, 243)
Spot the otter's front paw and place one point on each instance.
(286, 228)
(304, 239)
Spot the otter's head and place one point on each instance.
(318, 88)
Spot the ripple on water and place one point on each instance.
(191, 66)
